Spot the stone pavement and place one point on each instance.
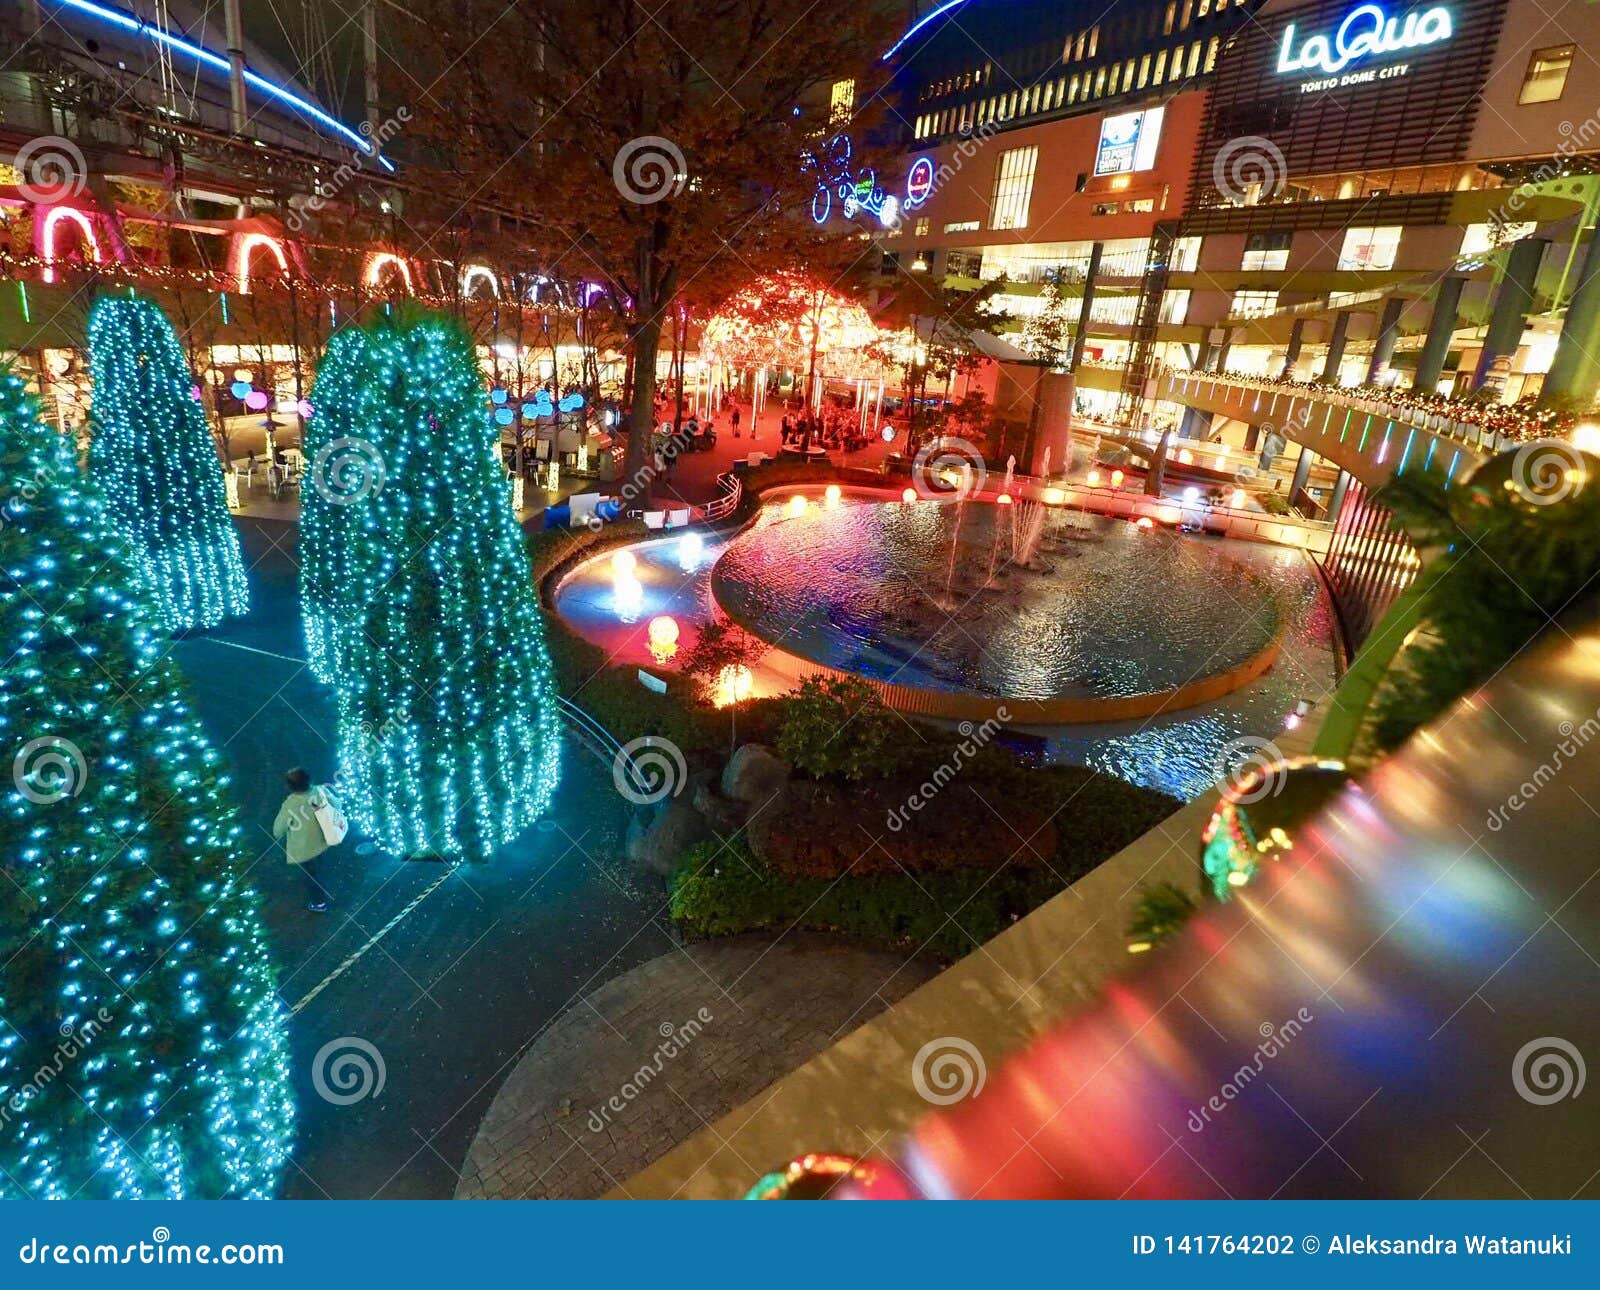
(655, 1055)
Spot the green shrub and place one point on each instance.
(1505, 562)
(1159, 914)
(719, 890)
(837, 726)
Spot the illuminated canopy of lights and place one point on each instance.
(771, 323)
(219, 62)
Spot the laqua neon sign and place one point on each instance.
(1366, 32)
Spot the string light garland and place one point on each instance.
(132, 962)
(448, 741)
(152, 455)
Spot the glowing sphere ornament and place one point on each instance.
(663, 633)
(831, 496)
(908, 495)
(624, 561)
(1116, 478)
(797, 506)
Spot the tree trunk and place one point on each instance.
(641, 421)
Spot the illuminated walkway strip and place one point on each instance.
(210, 58)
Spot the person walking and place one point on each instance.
(308, 823)
(734, 417)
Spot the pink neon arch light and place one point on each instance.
(378, 261)
(45, 237)
(244, 247)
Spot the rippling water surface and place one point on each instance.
(934, 595)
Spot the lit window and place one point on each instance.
(1144, 71)
(1547, 72)
(922, 226)
(1266, 251)
(1211, 52)
(842, 102)
(1094, 40)
(1161, 66)
(1013, 188)
(1253, 304)
(1194, 58)
(1172, 11)
(1370, 248)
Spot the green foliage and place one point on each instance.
(837, 726)
(720, 890)
(1504, 563)
(1159, 914)
(143, 1047)
(156, 464)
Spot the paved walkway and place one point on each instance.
(655, 1055)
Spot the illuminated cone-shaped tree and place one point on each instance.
(448, 741)
(157, 466)
(339, 499)
(142, 1043)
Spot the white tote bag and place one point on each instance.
(330, 819)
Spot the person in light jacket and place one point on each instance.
(303, 841)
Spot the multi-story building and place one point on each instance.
(1295, 187)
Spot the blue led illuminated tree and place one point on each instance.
(448, 741)
(157, 466)
(338, 501)
(142, 1044)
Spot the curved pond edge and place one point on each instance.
(1063, 710)
(1060, 710)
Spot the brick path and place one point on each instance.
(602, 1093)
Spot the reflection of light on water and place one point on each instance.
(691, 550)
(627, 596)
